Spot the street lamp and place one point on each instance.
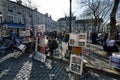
(69, 47)
(1, 17)
(1, 24)
(70, 16)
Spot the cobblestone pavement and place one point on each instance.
(27, 68)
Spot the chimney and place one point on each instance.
(19, 2)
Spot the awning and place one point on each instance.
(14, 25)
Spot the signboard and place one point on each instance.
(78, 40)
(40, 56)
(76, 64)
(40, 28)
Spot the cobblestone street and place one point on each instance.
(26, 68)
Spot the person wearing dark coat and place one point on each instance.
(94, 38)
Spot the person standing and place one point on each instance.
(94, 37)
(12, 36)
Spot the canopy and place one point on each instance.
(14, 25)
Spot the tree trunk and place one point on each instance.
(113, 19)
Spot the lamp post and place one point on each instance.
(70, 16)
(69, 47)
(1, 24)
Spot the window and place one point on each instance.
(10, 18)
(19, 20)
(10, 8)
(19, 10)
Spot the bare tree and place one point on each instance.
(96, 9)
(113, 19)
(67, 17)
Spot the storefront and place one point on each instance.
(11, 26)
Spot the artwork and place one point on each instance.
(27, 32)
(40, 28)
(80, 43)
(76, 64)
(78, 40)
(40, 57)
(76, 60)
(81, 36)
(72, 41)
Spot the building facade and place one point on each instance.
(16, 15)
(63, 24)
(83, 25)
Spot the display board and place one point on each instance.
(114, 61)
(40, 56)
(76, 64)
(78, 40)
(40, 28)
(22, 33)
(27, 32)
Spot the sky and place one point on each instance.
(55, 8)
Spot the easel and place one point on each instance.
(40, 56)
(78, 62)
(77, 41)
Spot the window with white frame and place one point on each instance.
(10, 18)
(19, 20)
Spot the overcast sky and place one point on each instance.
(55, 8)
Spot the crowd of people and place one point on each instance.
(99, 39)
(108, 45)
(52, 38)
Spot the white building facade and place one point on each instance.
(16, 15)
